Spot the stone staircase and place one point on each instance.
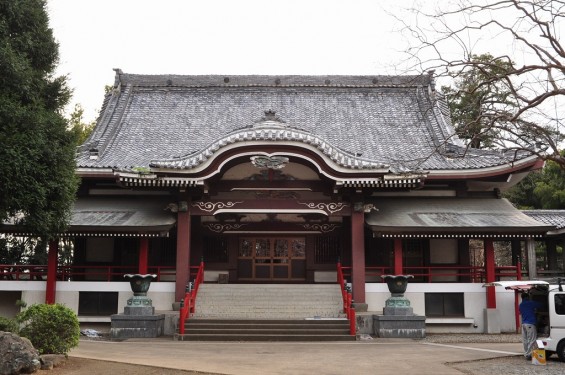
(267, 312)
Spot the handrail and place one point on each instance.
(474, 274)
(188, 303)
(347, 299)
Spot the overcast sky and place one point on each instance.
(221, 37)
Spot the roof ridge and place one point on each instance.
(344, 81)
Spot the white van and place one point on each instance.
(551, 318)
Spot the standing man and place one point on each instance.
(529, 320)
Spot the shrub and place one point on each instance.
(8, 325)
(52, 329)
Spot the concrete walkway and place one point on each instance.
(382, 356)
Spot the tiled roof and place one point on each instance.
(359, 122)
(457, 214)
(551, 217)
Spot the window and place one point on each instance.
(215, 249)
(444, 304)
(559, 304)
(327, 249)
(97, 303)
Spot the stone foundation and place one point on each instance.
(400, 326)
(136, 326)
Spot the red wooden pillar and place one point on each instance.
(358, 255)
(143, 255)
(490, 273)
(183, 251)
(51, 285)
(398, 265)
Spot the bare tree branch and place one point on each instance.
(522, 107)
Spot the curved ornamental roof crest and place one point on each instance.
(270, 129)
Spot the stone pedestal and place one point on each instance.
(400, 326)
(398, 319)
(139, 319)
(136, 326)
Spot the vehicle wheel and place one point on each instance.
(561, 350)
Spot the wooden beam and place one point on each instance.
(183, 253)
(532, 259)
(143, 255)
(212, 207)
(398, 256)
(490, 269)
(358, 255)
(51, 284)
(316, 186)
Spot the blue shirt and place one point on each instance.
(527, 310)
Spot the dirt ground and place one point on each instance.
(80, 366)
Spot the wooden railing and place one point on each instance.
(188, 303)
(347, 298)
(81, 272)
(167, 273)
(430, 274)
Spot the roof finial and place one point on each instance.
(270, 115)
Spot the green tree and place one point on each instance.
(522, 194)
(476, 97)
(78, 125)
(444, 38)
(37, 150)
(52, 329)
(550, 191)
(541, 190)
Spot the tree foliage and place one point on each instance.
(476, 97)
(37, 172)
(451, 40)
(78, 125)
(541, 190)
(52, 329)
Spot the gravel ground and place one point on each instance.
(511, 365)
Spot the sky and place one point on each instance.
(357, 37)
(270, 37)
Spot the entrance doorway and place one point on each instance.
(272, 259)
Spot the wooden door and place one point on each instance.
(272, 259)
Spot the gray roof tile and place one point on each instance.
(384, 120)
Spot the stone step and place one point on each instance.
(261, 337)
(266, 330)
(268, 301)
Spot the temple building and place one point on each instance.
(276, 179)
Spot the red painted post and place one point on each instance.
(358, 254)
(398, 266)
(518, 271)
(143, 255)
(183, 253)
(352, 321)
(51, 285)
(490, 273)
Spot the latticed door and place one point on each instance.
(279, 258)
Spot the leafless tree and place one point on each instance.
(525, 35)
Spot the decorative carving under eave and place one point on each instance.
(220, 228)
(327, 207)
(324, 228)
(270, 162)
(213, 206)
(276, 194)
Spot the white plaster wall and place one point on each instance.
(474, 299)
(32, 297)
(162, 294)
